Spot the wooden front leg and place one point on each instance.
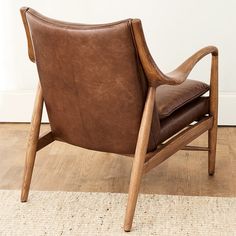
(212, 133)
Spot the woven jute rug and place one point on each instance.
(73, 213)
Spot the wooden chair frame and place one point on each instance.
(143, 162)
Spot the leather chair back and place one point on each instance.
(92, 81)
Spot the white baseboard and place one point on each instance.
(227, 108)
(16, 106)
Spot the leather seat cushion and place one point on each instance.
(184, 116)
(169, 98)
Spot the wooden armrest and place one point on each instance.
(154, 75)
(181, 73)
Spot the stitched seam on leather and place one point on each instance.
(70, 25)
(138, 62)
(136, 56)
(136, 59)
(164, 115)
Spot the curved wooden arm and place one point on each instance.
(182, 72)
(154, 75)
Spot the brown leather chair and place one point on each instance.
(103, 91)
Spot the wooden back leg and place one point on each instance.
(139, 159)
(32, 144)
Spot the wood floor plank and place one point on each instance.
(64, 167)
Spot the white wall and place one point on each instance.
(174, 30)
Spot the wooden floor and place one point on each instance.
(64, 167)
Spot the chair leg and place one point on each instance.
(212, 133)
(134, 186)
(212, 139)
(32, 144)
(139, 159)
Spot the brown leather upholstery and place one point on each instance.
(183, 117)
(169, 98)
(94, 86)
